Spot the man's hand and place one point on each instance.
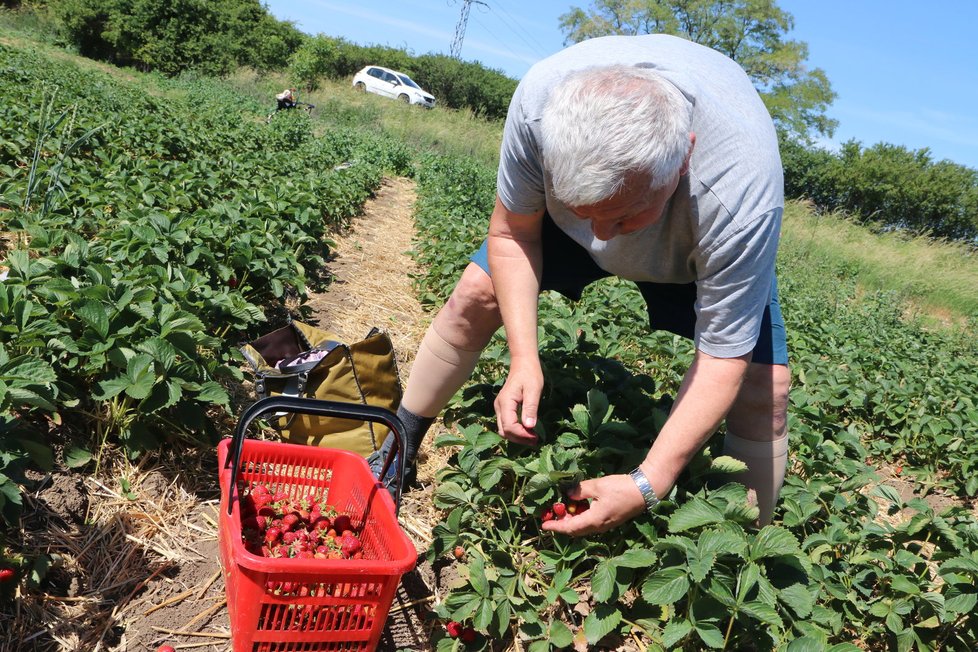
(615, 499)
(517, 403)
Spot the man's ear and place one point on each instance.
(692, 143)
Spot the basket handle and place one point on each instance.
(318, 407)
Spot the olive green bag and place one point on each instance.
(305, 361)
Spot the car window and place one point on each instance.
(374, 72)
(407, 81)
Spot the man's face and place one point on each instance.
(632, 209)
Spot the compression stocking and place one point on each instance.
(439, 369)
(766, 462)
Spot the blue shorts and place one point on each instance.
(568, 269)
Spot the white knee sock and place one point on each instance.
(438, 370)
(766, 462)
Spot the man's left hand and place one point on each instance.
(614, 500)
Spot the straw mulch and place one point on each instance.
(135, 545)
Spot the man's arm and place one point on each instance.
(706, 395)
(515, 262)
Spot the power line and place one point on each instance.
(519, 30)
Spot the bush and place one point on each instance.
(171, 37)
(887, 185)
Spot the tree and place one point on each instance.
(748, 31)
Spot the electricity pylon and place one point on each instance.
(460, 27)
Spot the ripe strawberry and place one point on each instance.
(322, 524)
(165, 648)
(459, 552)
(272, 534)
(349, 545)
(559, 510)
(468, 635)
(342, 523)
(232, 282)
(253, 523)
(6, 574)
(547, 516)
(454, 628)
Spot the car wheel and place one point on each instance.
(361, 87)
(404, 98)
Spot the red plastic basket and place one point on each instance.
(348, 600)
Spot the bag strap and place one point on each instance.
(321, 408)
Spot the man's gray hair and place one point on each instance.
(602, 125)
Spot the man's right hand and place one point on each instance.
(517, 403)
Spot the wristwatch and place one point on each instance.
(643, 484)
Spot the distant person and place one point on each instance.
(287, 99)
(653, 159)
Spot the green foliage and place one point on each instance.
(171, 37)
(124, 297)
(886, 185)
(748, 31)
(458, 84)
(312, 61)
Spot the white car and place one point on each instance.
(393, 84)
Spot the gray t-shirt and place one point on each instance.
(721, 227)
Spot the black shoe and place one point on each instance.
(376, 461)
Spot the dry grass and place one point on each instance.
(372, 286)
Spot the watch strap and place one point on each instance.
(644, 486)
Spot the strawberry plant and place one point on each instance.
(831, 572)
(153, 234)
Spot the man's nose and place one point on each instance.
(604, 230)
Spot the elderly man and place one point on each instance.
(653, 159)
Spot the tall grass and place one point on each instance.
(938, 280)
(446, 131)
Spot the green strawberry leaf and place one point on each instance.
(696, 512)
(666, 586)
(601, 622)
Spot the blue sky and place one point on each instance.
(905, 72)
